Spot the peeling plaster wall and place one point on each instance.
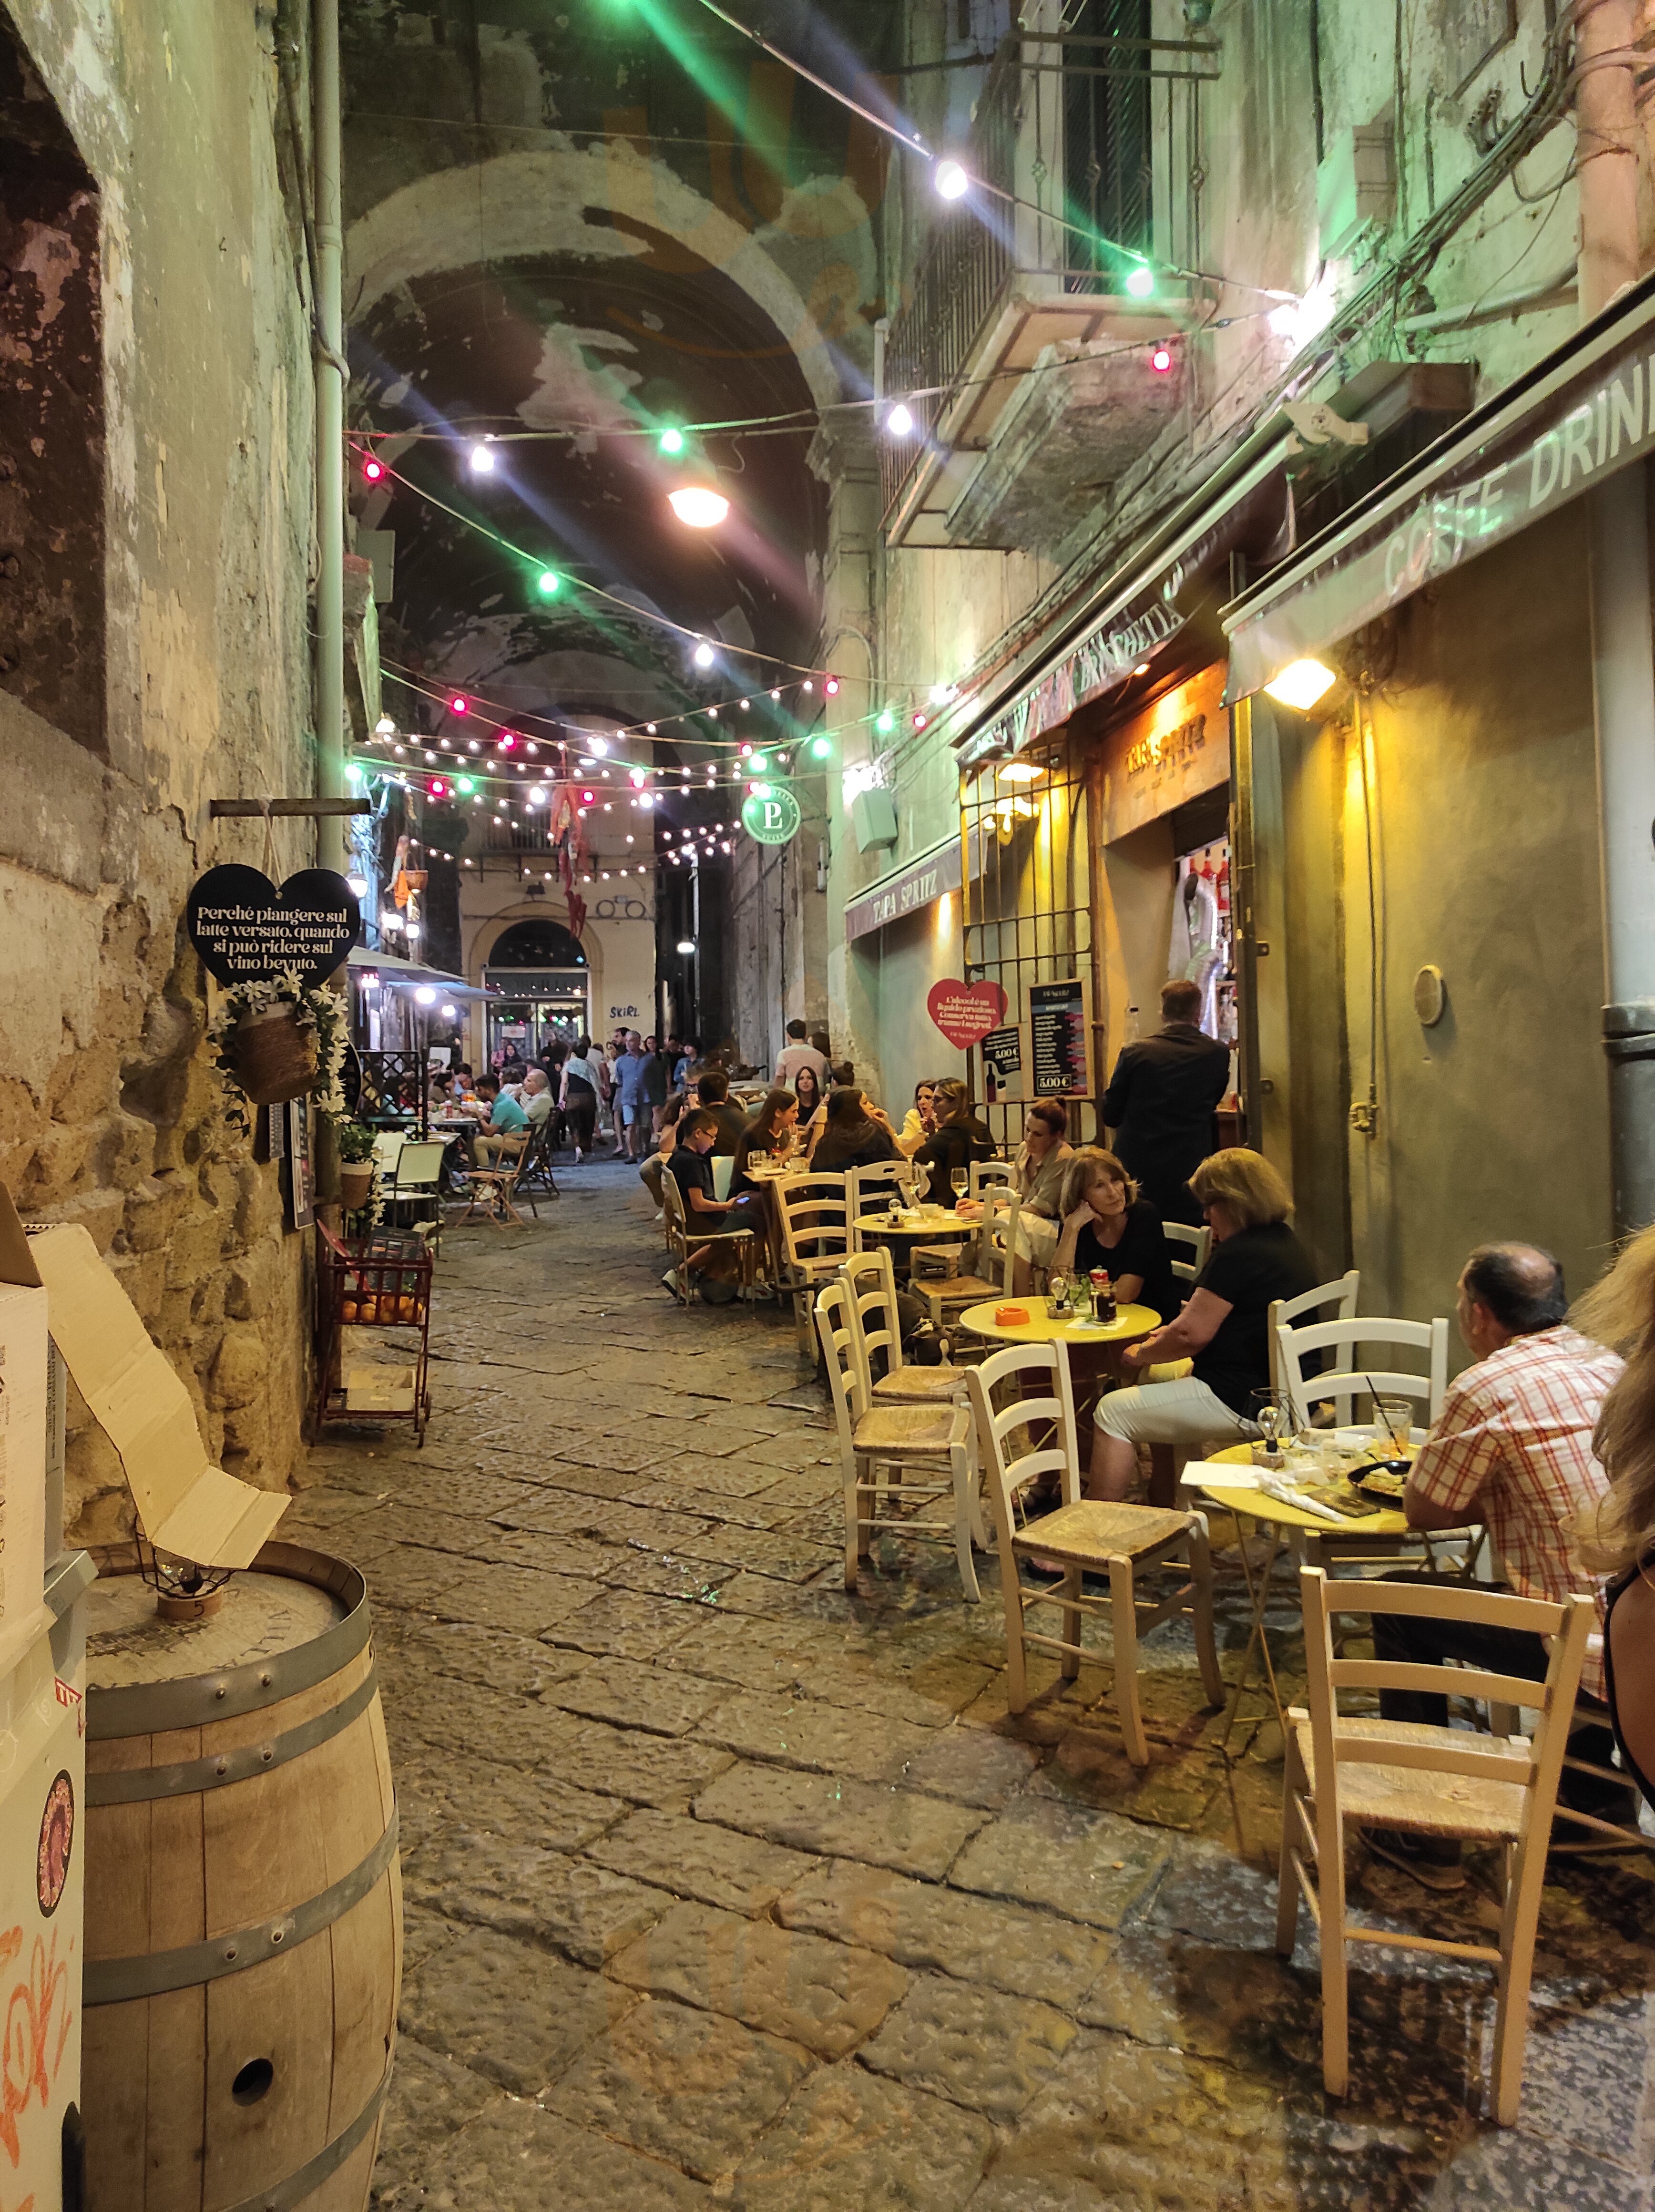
(109, 1114)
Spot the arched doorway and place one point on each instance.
(542, 972)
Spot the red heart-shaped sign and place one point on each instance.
(966, 1011)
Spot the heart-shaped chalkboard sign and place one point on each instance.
(245, 930)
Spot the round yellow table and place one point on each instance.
(916, 1221)
(1305, 1536)
(1132, 1325)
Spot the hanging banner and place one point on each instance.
(1056, 1017)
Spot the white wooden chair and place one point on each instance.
(1426, 1781)
(870, 1279)
(684, 1236)
(1083, 1535)
(985, 1173)
(1194, 1243)
(867, 1188)
(983, 1268)
(1341, 1293)
(814, 1214)
(1589, 1713)
(881, 1447)
(1358, 1375)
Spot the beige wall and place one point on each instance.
(1484, 815)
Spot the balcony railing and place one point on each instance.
(1099, 127)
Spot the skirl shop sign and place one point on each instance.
(771, 813)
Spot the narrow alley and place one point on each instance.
(722, 1885)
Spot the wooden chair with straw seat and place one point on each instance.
(1600, 1834)
(1083, 1535)
(981, 1269)
(814, 1211)
(866, 1188)
(684, 1236)
(892, 1453)
(1426, 1781)
(871, 1278)
(494, 1190)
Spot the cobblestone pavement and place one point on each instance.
(725, 1888)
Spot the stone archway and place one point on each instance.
(519, 202)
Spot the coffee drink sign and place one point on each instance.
(247, 930)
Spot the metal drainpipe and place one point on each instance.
(1623, 663)
(330, 433)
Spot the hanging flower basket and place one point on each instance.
(276, 1039)
(274, 1058)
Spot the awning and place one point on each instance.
(918, 882)
(1177, 572)
(1584, 410)
(396, 969)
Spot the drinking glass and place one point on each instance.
(960, 1182)
(1394, 1422)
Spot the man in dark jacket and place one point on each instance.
(712, 1094)
(1162, 1099)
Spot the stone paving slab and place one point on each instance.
(850, 2142)
(522, 1890)
(1088, 1866)
(976, 1939)
(639, 1696)
(518, 2158)
(815, 1812)
(512, 2013)
(623, 1622)
(650, 1769)
(697, 1859)
(827, 1739)
(681, 2084)
(829, 1996)
(976, 2046)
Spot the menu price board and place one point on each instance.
(1002, 1062)
(1056, 1014)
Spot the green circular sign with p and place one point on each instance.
(771, 813)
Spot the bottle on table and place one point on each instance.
(1103, 1295)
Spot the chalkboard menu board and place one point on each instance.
(245, 930)
(1057, 1019)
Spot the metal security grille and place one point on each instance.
(1028, 905)
(1109, 150)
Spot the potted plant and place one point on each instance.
(356, 1142)
(278, 1038)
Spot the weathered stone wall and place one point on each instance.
(193, 370)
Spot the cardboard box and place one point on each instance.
(185, 1504)
(380, 1390)
(23, 1353)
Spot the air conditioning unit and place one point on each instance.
(1355, 188)
(873, 820)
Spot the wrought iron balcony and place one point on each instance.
(1022, 356)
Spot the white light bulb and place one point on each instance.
(698, 506)
(950, 179)
(599, 745)
(385, 727)
(482, 461)
(900, 421)
(703, 655)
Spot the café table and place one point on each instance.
(1093, 1347)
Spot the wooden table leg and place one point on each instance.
(1163, 1476)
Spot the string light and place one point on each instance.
(670, 442)
(372, 470)
(549, 583)
(482, 460)
(900, 421)
(703, 656)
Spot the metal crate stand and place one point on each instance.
(378, 1281)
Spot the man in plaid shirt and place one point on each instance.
(1512, 1450)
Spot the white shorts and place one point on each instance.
(1182, 1412)
(1037, 1239)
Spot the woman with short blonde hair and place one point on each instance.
(1223, 1332)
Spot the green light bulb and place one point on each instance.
(759, 763)
(886, 723)
(464, 783)
(821, 748)
(671, 442)
(1140, 280)
(550, 583)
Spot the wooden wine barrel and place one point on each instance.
(243, 1902)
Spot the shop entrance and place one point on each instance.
(541, 972)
